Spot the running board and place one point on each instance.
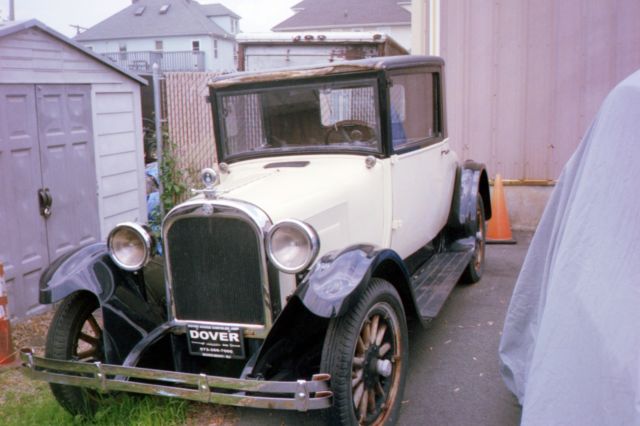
(433, 281)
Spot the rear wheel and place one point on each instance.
(365, 351)
(474, 270)
(76, 334)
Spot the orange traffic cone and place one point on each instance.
(499, 227)
(7, 354)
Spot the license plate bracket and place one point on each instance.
(216, 341)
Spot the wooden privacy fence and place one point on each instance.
(189, 121)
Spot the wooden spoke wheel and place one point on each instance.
(365, 352)
(76, 334)
(474, 270)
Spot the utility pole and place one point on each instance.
(78, 28)
(12, 15)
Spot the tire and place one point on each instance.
(76, 334)
(473, 273)
(354, 363)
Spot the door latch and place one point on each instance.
(45, 200)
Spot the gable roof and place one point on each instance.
(217, 9)
(9, 28)
(314, 14)
(182, 18)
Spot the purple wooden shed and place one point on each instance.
(71, 160)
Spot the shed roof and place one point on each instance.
(9, 28)
(143, 18)
(344, 13)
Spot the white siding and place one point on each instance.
(32, 56)
(117, 128)
(223, 22)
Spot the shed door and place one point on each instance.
(45, 142)
(23, 239)
(68, 165)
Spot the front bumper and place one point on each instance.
(301, 395)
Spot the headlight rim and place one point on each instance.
(145, 236)
(312, 237)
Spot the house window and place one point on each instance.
(215, 48)
(195, 45)
(233, 26)
(140, 10)
(415, 109)
(159, 45)
(164, 8)
(89, 47)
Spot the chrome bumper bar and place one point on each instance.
(301, 395)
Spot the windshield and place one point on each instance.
(303, 118)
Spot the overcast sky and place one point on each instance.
(257, 15)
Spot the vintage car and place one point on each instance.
(337, 210)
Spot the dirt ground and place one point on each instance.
(32, 332)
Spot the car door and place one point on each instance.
(423, 167)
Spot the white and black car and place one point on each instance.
(337, 210)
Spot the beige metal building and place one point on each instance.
(525, 78)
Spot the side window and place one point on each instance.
(414, 109)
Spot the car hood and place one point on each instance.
(339, 196)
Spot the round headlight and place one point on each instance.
(130, 246)
(292, 245)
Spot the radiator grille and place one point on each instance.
(215, 268)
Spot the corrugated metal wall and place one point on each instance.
(526, 77)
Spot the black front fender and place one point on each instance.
(339, 277)
(128, 313)
(86, 268)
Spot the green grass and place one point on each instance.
(35, 405)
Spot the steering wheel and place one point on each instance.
(349, 131)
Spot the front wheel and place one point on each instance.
(75, 334)
(365, 351)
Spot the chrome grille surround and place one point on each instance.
(259, 221)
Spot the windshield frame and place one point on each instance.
(375, 79)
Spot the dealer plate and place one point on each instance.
(216, 341)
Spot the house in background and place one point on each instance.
(179, 35)
(391, 17)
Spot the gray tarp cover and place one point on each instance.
(570, 348)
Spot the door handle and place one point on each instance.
(444, 152)
(45, 200)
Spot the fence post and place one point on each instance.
(158, 117)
